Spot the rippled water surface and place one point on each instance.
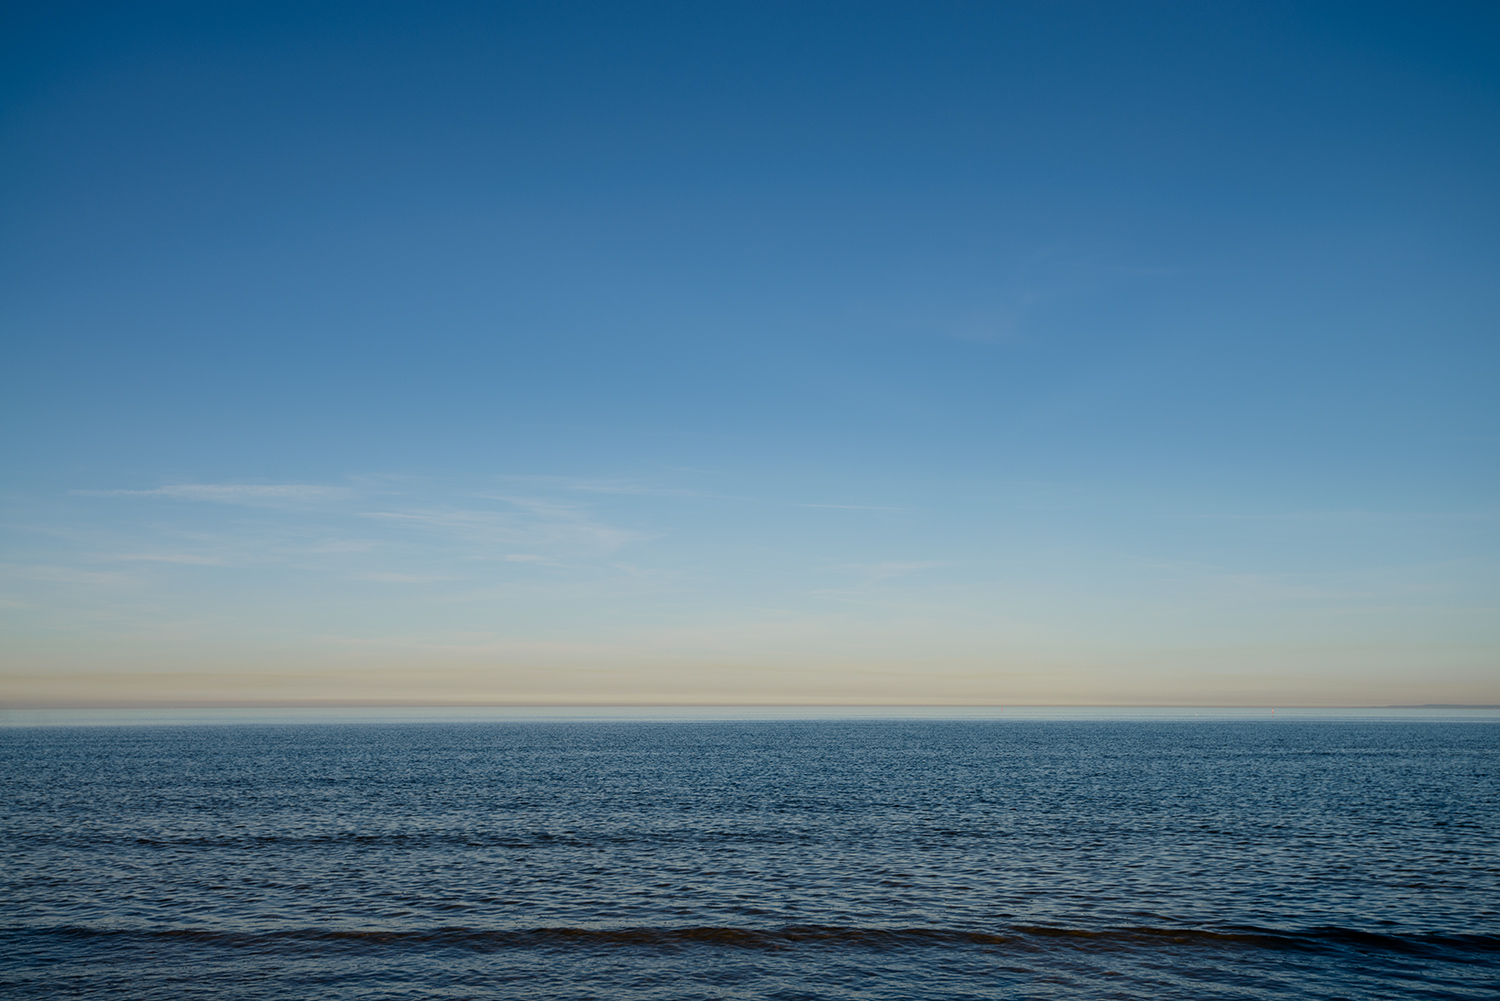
(754, 859)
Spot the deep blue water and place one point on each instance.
(822, 859)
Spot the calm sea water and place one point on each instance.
(808, 859)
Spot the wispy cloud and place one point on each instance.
(635, 489)
(536, 524)
(629, 487)
(1355, 516)
(874, 572)
(343, 547)
(186, 559)
(855, 507)
(52, 574)
(233, 493)
(1366, 587)
(388, 532)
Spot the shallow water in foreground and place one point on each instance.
(753, 859)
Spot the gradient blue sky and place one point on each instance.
(1087, 353)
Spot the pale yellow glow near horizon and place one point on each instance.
(950, 659)
(511, 591)
(1224, 680)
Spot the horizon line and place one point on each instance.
(24, 705)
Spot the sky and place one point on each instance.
(765, 353)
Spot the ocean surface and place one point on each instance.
(753, 859)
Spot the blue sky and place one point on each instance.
(817, 352)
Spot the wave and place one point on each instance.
(424, 840)
(1019, 938)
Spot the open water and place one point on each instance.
(753, 859)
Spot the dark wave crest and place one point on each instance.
(1020, 938)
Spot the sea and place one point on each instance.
(1018, 855)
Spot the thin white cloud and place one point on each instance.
(602, 486)
(53, 574)
(538, 525)
(893, 568)
(1213, 585)
(233, 493)
(186, 559)
(855, 507)
(885, 571)
(1357, 517)
(343, 546)
(634, 489)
